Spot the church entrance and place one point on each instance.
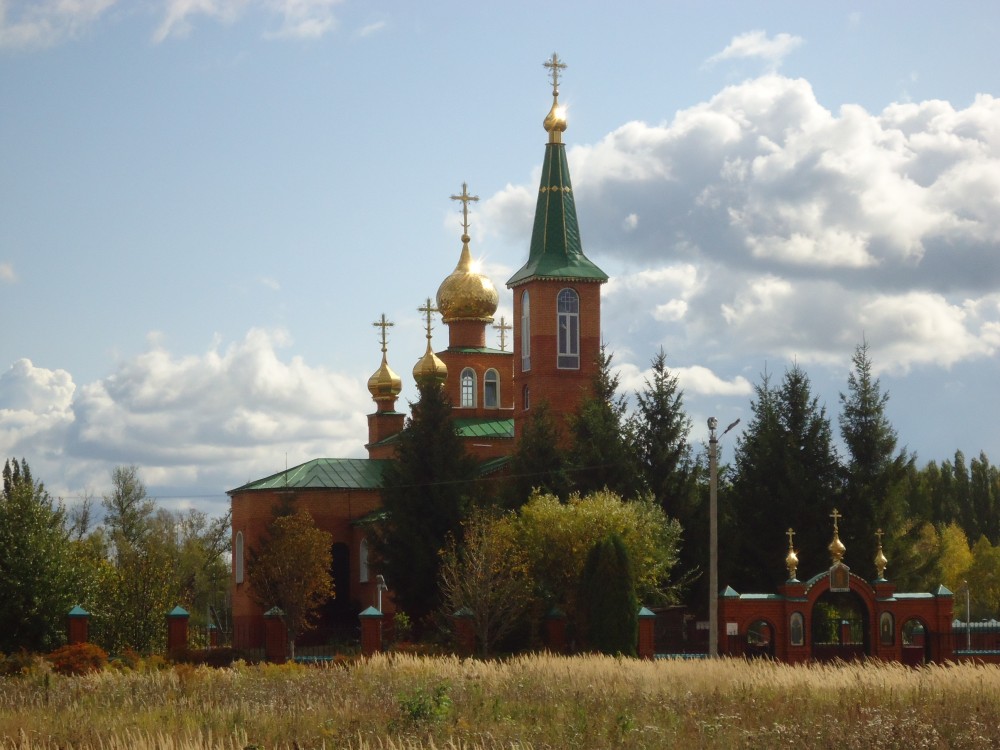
(840, 627)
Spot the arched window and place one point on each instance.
(568, 326)
(238, 556)
(468, 395)
(363, 562)
(527, 398)
(491, 389)
(525, 333)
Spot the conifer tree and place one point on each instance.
(608, 598)
(787, 474)
(538, 461)
(875, 490)
(662, 430)
(427, 491)
(602, 452)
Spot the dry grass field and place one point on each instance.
(535, 701)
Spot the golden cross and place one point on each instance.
(465, 198)
(554, 64)
(428, 309)
(790, 534)
(503, 328)
(383, 323)
(879, 534)
(835, 516)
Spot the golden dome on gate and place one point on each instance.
(465, 294)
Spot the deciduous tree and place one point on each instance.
(290, 570)
(488, 575)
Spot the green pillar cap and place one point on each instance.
(78, 611)
(730, 593)
(942, 590)
(274, 612)
(370, 612)
(463, 612)
(178, 611)
(644, 612)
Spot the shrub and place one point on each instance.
(78, 658)
(19, 663)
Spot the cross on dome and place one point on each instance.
(383, 323)
(465, 198)
(554, 64)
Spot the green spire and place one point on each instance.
(556, 252)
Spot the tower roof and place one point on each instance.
(556, 251)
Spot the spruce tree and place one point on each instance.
(602, 452)
(787, 475)
(426, 494)
(876, 478)
(662, 430)
(538, 461)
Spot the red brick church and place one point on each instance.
(556, 341)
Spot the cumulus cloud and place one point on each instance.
(797, 228)
(369, 29)
(758, 45)
(218, 418)
(27, 24)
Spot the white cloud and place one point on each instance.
(304, 19)
(27, 24)
(7, 273)
(797, 228)
(757, 44)
(216, 419)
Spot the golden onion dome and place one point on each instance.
(465, 294)
(880, 562)
(384, 384)
(792, 563)
(837, 548)
(430, 368)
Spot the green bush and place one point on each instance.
(610, 606)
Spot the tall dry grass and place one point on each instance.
(535, 701)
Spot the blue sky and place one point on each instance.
(204, 204)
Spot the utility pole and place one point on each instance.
(713, 534)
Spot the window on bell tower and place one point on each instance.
(568, 327)
(491, 389)
(525, 333)
(468, 385)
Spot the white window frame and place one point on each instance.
(238, 545)
(568, 329)
(363, 573)
(492, 377)
(467, 388)
(525, 331)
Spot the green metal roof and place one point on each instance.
(484, 427)
(479, 350)
(493, 465)
(556, 251)
(324, 473)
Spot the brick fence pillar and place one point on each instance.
(275, 636)
(646, 648)
(465, 632)
(371, 631)
(177, 629)
(77, 625)
(555, 631)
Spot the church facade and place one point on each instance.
(556, 336)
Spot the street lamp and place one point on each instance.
(713, 534)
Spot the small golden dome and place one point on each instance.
(792, 563)
(880, 559)
(837, 549)
(465, 294)
(430, 367)
(384, 384)
(555, 121)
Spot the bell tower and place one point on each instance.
(557, 292)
